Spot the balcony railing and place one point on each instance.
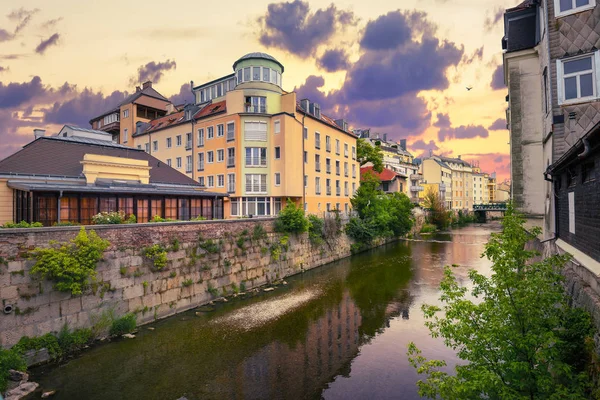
(230, 162)
(345, 191)
(416, 177)
(231, 187)
(417, 188)
(188, 145)
(328, 168)
(256, 109)
(328, 190)
(230, 136)
(188, 168)
(338, 191)
(256, 162)
(328, 147)
(318, 190)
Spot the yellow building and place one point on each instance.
(481, 194)
(492, 188)
(437, 176)
(247, 137)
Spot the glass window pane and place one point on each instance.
(571, 88)
(266, 74)
(246, 74)
(273, 76)
(586, 85)
(256, 73)
(581, 3)
(239, 76)
(583, 64)
(566, 5)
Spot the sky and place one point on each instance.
(397, 67)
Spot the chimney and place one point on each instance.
(146, 85)
(38, 133)
(403, 144)
(138, 89)
(305, 104)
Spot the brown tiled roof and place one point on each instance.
(56, 156)
(211, 109)
(163, 122)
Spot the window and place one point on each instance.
(219, 90)
(337, 168)
(305, 133)
(318, 185)
(317, 163)
(345, 188)
(328, 186)
(239, 76)
(200, 137)
(566, 7)
(169, 143)
(256, 104)
(155, 145)
(306, 157)
(317, 140)
(545, 78)
(169, 162)
(328, 165)
(328, 206)
(221, 180)
(256, 183)
(354, 170)
(353, 153)
(256, 73)
(338, 188)
(276, 205)
(200, 161)
(231, 157)
(147, 147)
(274, 76)
(210, 133)
(230, 131)
(220, 130)
(211, 181)
(345, 149)
(277, 126)
(231, 183)
(577, 78)
(255, 131)
(346, 169)
(337, 147)
(210, 155)
(305, 180)
(178, 140)
(125, 113)
(188, 164)
(277, 179)
(256, 156)
(201, 180)
(277, 153)
(353, 189)
(220, 155)
(247, 74)
(178, 160)
(328, 143)
(125, 135)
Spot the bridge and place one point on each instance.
(481, 210)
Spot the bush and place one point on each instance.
(428, 228)
(131, 219)
(187, 282)
(10, 359)
(259, 232)
(438, 215)
(22, 224)
(291, 219)
(71, 266)
(106, 218)
(362, 231)
(125, 324)
(316, 230)
(66, 223)
(158, 218)
(157, 254)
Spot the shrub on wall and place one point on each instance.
(316, 230)
(22, 224)
(125, 324)
(291, 219)
(71, 265)
(112, 217)
(157, 254)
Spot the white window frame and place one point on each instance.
(210, 155)
(210, 181)
(210, 132)
(221, 132)
(227, 130)
(222, 152)
(277, 178)
(560, 78)
(261, 184)
(126, 113)
(200, 137)
(169, 142)
(155, 145)
(178, 165)
(277, 126)
(574, 10)
(201, 180)
(178, 141)
(231, 183)
(200, 161)
(221, 181)
(125, 135)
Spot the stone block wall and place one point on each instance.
(205, 260)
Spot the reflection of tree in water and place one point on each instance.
(378, 284)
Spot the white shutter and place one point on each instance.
(572, 212)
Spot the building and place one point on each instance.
(457, 187)
(249, 138)
(120, 121)
(481, 193)
(437, 176)
(391, 181)
(552, 70)
(73, 176)
(492, 187)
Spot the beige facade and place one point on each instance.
(437, 176)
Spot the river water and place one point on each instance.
(336, 332)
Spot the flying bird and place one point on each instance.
(469, 88)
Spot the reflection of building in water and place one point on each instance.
(299, 370)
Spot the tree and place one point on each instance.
(438, 214)
(518, 339)
(365, 153)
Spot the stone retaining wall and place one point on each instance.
(126, 282)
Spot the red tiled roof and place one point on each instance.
(384, 176)
(210, 109)
(163, 122)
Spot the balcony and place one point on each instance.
(416, 177)
(256, 109)
(443, 187)
(256, 161)
(328, 190)
(416, 188)
(230, 162)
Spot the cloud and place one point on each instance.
(291, 26)
(15, 94)
(386, 32)
(460, 132)
(22, 16)
(11, 56)
(80, 107)
(153, 71)
(498, 125)
(421, 145)
(334, 60)
(492, 20)
(477, 55)
(51, 41)
(5, 35)
(498, 78)
(184, 96)
(443, 121)
(3, 69)
(51, 23)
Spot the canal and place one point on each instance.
(337, 332)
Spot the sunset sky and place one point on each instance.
(401, 71)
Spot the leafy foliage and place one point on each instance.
(157, 254)
(125, 324)
(316, 233)
(291, 219)
(22, 224)
(9, 359)
(518, 339)
(438, 216)
(109, 217)
(259, 232)
(365, 153)
(70, 265)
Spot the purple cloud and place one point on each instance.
(154, 71)
(493, 20)
(334, 60)
(5, 35)
(184, 96)
(421, 145)
(462, 132)
(498, 125)
(22, 16)
(498, 78)
(477, 55)
(3, 69)
(79, 108)
(15, 94)
(292, 27)
(51, 41)
(50, 24)
(387, 32)
(443, 121)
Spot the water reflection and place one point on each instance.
(335, 332)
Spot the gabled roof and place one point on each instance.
(162, 122)
(385, 176)
(324, 118)
(211, 109)
(62, 156)
(148, 91)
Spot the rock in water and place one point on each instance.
(17, 376)
(270, 289)
(129, 336)
(150, 328)
(21, 391)
(45, 395)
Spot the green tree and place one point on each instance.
(514, 338)
(291, 219)
(438, 216)
(366, 153)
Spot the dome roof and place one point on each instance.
(258, 55)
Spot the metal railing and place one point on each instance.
(328, 190)
(256, 109)
(230, 161)
(490, 207)
(188, 145)
(256, 161)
